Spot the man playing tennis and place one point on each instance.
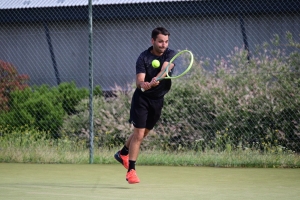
(146, 106)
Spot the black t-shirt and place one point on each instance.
(144, 65)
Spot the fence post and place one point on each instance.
(91, 84)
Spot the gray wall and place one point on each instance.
(117, 44)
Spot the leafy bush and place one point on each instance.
(70, 96)
(38, 108)
(10, 80)
(43, 107)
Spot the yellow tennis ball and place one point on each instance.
(155, 63)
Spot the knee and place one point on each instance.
(139, 135)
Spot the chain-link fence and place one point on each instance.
(243, 91)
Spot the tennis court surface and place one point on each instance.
(64, 181)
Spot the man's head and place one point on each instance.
(159, 30)
(160, 40)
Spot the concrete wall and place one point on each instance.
(117, 44)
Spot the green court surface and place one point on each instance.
(64, 181)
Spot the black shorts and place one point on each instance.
(145, 112)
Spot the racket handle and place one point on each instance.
(143, 90)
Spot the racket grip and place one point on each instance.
(143, 90)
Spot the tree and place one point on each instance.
(10, 80)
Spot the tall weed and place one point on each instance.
(111, 115)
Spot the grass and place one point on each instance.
(33, 147)
(62, 154)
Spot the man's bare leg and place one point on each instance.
(137, 137)
(134, 142)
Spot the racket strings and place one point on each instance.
(182, 63)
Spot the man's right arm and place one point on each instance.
(140, 81)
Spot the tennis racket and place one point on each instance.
(183, 61)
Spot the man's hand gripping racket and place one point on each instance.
(187, 59)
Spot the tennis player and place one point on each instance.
(146, 106)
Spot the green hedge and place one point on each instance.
(43, 107)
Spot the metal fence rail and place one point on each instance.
(243, 91)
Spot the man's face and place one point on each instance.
(160, 44)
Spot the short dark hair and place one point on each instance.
(159, 30)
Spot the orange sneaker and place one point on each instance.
(131, 177)
(124, 160)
